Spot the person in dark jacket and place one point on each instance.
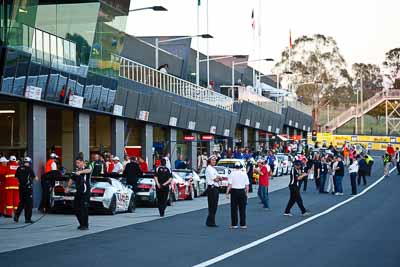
(362, 170)
(132, 172)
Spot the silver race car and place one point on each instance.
(146, 190)
(106, 195)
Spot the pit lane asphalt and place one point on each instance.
(362, 229)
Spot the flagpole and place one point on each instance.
(290, 60)
(259, 44)
(208, 54)
(254, 50)
(198, 45)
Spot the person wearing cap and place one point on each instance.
(3, 172)
(238, 187)
(263, 183)
(163, 178)
(50, 169)
(25, 175)
(213, 182)
(296, 175)
(11, 188)
(118, 167)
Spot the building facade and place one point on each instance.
(73, 82)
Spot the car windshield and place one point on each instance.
(184, 175)
(282, 157)
(229, 165)
(220, 170)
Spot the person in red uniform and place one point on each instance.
(11, 187)
(3, 172)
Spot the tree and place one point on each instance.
(371, 77)
(392, 66)
(317, 58)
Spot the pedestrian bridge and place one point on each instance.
(391, 99)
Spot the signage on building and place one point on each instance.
(33, 92)
(76, 101)
(296, 125)
(118, 110)
(189, 138)
(144, 115)
(207, 137)
(192, 125)
(213, 129)
(258, 125)
(290, 122)
(269, 128)
(247, 122)
(227, 132)
(173, 121)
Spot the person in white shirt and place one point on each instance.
(238, 186)
(118, 167)
(213, 182)
(168, 161)
(353, 170)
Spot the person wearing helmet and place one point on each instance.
(3, 172)
(25, 175)
(11, 187)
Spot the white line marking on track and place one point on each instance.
(287, 229)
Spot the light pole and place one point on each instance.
(241, 63)
(208, 59)
(154, 8)
(158, 42)
(362, 106)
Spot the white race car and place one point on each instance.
(106, 195)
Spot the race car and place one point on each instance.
(146, 190)
(106, 195)
(188, 183)
(223, 172)
(285, 162)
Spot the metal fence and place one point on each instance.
(245, 94)
(135, 71)
(299, 106)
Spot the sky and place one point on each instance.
(363, 29)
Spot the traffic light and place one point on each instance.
(314, 136)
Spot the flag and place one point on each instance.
(290, 40)
(253, 22)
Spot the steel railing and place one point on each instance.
(363, 108)
(137, 72)
(245, 94)
(298, 106)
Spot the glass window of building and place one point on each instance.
(13, 122)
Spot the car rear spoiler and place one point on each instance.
(183, 170)
(95, 179)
